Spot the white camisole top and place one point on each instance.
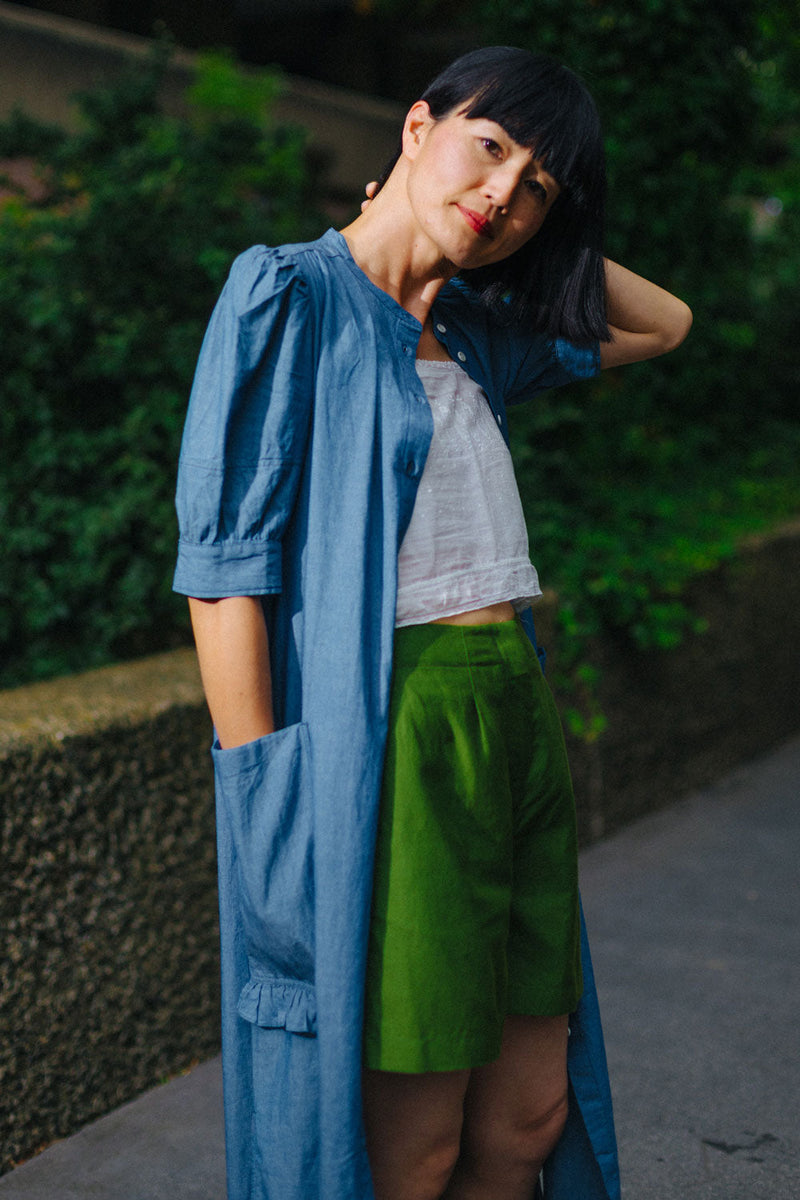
(467, 545)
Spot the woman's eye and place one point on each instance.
(491, 145)
(536, 189)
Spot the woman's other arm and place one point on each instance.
(233, 649)
(644, 319)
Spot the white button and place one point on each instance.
(441, 328)
(499, 419)
(461, 356)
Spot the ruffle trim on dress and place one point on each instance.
(279, 1004)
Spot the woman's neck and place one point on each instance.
(386, 244)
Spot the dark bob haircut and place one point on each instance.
(555, 281)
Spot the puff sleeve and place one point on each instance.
(246, 431)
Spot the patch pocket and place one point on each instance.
(264, 795)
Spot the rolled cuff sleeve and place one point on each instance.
(209, 572)
(578, 362)
(550, 364)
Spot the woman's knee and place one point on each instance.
(524, 1138)
(536, 1137)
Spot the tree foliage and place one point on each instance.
(106, 285)
(632, 484)
(651, 474)
(655, 474)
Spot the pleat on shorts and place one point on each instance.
(475, 900)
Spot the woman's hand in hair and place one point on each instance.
(645, 320)
(370, 189)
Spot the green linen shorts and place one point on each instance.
(475, 895)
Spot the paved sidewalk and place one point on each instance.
(166, 1145)
(694, 920)
(693, 915)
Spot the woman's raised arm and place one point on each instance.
(233, 649)
(644, 319)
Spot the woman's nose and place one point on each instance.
(500, 186)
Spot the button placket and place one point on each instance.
(418, 420)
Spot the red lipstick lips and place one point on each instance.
(476, 221)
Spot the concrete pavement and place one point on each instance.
(693, 915)
(694, 918)
(166, 1145)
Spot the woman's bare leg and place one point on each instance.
(514, 1112)
(413, 1126)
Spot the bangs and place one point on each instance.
(565, 141)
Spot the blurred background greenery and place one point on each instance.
(633, 484)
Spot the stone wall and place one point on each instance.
(45, 59)
(108, 924)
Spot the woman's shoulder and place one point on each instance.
(517, 361)
(482, 321)
(263, 272)
(469, 306)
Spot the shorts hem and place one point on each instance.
(414, 1063)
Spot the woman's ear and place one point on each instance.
(418, 124)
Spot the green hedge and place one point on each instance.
(109, 965)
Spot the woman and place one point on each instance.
(421, 1051)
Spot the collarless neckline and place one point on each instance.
(337, 242)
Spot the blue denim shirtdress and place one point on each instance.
(304, 444)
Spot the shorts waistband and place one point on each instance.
(463, 645)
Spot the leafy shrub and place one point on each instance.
(655, 473)
(106, 286)
(632, 484)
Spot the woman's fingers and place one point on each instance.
(370, 189)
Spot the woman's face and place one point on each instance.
(476, 194)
